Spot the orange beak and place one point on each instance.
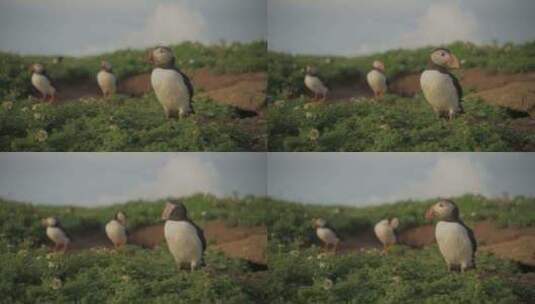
(429, 214)
(454, 62)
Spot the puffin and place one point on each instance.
(172, 87)
(456, 241)
(184, 238)
(56, 233)
(116, 230)
(377, 79)
(385, 230)
(441, 88)
(326, 234)
(42, 83)
(314, 84)
(106, 80)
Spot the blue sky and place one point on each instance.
(325, 178)
(79, 27)
(347, 27)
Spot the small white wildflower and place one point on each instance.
(321, 256)
(279, 103)
(125, 278)
(396, 279)
(51, 265)
(24, 109)
(296, 108)
(327, 284)
(314, 134)
(49, 256)
(204, 214)
(7, 105)
(463, 61)
(192, 61)
(309, 115)
(56, 283)
(307, 106)
(322, 265)
(294, 253)
(473, 214)
(37, 116)
(41, 135)
(114, 127)
(385, 127)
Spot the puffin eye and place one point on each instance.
(442, 54)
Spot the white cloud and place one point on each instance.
(169, 23)
(452, 175)
(181, 175)
(442, 23)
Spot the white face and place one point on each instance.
(50, 222)
(38, 68)
(441, 210)
(445, 59)
(162, 56)
(168, 209)
(320, 222)
(379, 65)
(106, 65)
(121, 217)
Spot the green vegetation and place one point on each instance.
(122, 123)
(394, 124)
(28, 274)
(299, 272)
(306, 274)
(286, 71)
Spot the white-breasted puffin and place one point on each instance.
(326, 234)
(42, 83)
(184, 238)
(440, 87)
(106, 79)
(172, 87)
(377, 79)
(456, 241)
(56, 233)
(385, 230)
(314, 84)
(116, 230)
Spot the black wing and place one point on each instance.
(200, 234)
(58, 225)
(45, 73)
(187, 82)
(473, 240)
(458, 88)
(333, 230)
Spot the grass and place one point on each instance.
(123, 123)
(394, 124)
(28, 274)
(298, 271)
(302, 273)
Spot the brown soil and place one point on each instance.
(242, 90)
(246, 91)
(517, 244)
(248, 243)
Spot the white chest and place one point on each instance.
(326, 235)
(116, 232)
(376, 81)
(57, 235)
(183, 242)
(439, 91)
(315, 85)
(385, 233)
(106, 81)
(170, 88)
(454, 243)
(42, 84)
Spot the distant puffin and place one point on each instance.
(377, 79)
(456, 241)
(440, 87)
(385, 231)
(42, 82)
(314, 84)
(116, 230)
(106, 80)
(172, 87)
(326, 234)
(184, 238)
(56, 233)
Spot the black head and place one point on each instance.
(175, 211)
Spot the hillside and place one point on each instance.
(144, 272)
(411, 272)
(498, 103)
(229, 81)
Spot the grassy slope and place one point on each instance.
(125, 124)
(396, 124)
(295, 275)
(305, 275)
(133, 276)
